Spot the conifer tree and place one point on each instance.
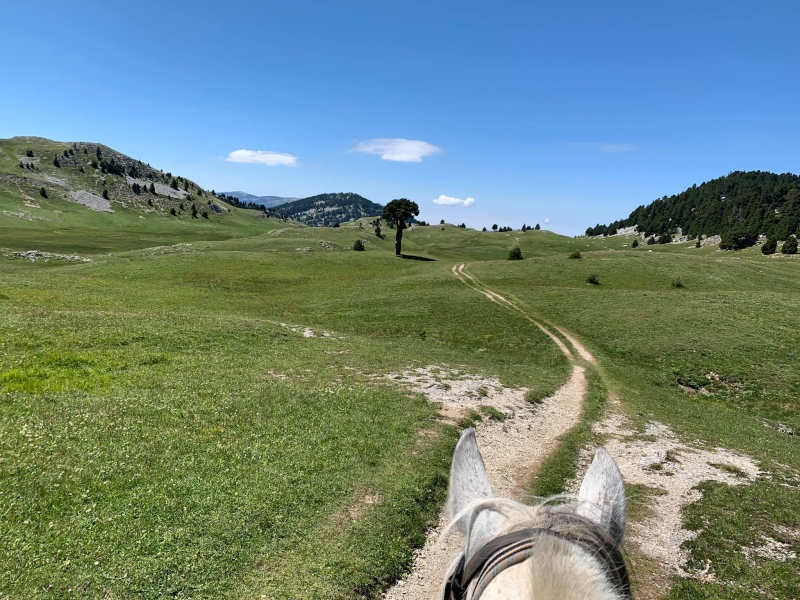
(537, 228)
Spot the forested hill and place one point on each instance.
(330, 209)
(749, 203)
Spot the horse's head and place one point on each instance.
(553, 551)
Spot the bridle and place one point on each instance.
(510, 549)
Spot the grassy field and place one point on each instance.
(166, 430)
(714, 359)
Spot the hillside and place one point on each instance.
(329, 209)
(110, 198)
(740, 204)
(267, 201)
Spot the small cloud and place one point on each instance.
(546, 221)
(262, 157)
(617, 147)
(450, 201)
(397, 149)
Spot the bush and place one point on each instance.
(441, 222)
(665, 238)
(789, 246)
(651, 240)
(515, 254)
(171, 210)
(576, 254)
(56, 163)
(205, 214)
(358, 246)
(593, 279)
(43, 193)
(105, 193)
(738, 239)
(29, 153)
(770, 246)
(677, 283)
(635, 244)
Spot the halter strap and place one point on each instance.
(508, 550)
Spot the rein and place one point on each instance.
(508, 550)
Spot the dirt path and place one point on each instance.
(513, 450)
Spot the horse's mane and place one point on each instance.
(556, 514)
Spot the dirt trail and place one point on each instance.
(513, 450)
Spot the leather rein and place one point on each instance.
(508, 550)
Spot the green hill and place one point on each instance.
(83, 196)
(743, 204)
(329, 209)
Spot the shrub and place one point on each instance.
(21, 166)
(677, 283)
(593, 279)
(43, 193)
(635, 244)
(105, 193)
(515, 254)
(441, 222)
(651, 240)
(576, 254)
(358, 246)
(789, 246)
(171, 210)
(205, 214)
(56, 163)
(770, 246)
(737, 239)
(665, 238)
(29, 153)
(336, 224)
(94, 164)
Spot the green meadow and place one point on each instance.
(167, 429)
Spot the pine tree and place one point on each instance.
(494, 227)
(789, 246)
(635, 244)
(770, 246)
(484, 229)
(152, 188)
(205, 214)
(98, 153)
(194, 211)
(43, 193)
(537, 228)
(105, 193)
(172, 212)
(56, 163)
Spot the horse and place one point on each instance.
(556, 550)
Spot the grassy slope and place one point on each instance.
(737, 316)
(143, 429)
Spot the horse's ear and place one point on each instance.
(468, 479)
(602, 495)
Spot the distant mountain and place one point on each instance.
(268, 201)
(329, 209)
(740, 204)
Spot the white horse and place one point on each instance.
(545, 552)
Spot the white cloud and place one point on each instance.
(450, 201)
(546, 221)
(397, 149)
(262, 157)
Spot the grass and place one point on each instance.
(730, 331)
(159, 418)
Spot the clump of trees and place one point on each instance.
(29, 153)
(738, 239)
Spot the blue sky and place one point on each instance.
(575, 112)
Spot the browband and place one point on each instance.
(511, 549)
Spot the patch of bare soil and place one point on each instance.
(512, 450)
(307, 332)
(661, 461)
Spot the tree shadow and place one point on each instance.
(412, 257)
